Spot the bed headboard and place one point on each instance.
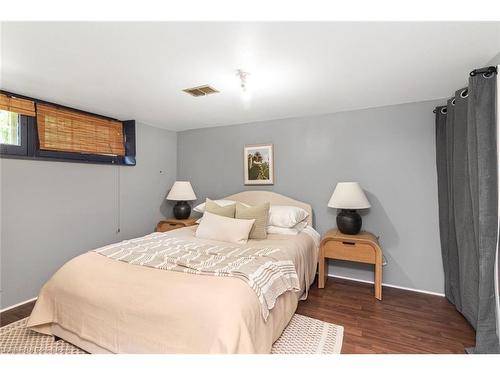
(253, 197)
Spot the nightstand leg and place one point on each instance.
(378, 280)
(323, 267)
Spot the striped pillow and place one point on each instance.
(260, 213)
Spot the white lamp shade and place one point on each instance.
(181, 191)
(349, 196)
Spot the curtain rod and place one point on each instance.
(489, 69)
(486, 70)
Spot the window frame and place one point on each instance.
(127, 159)
(30, 145)
(22, 148)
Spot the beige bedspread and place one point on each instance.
(104, 305)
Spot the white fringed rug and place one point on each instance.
(303, 335)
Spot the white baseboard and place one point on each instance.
(388, 285)
(18, 304)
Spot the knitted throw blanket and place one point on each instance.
(264, 269)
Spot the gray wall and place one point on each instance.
(53, 211)
(389, 150)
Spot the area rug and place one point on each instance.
(303, 335)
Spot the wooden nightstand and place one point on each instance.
(362, 248)
(171, 224)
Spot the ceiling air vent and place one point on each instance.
(201, 90)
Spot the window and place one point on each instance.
(14, 116)
(70, 131)
(47, 131)
(10, 126)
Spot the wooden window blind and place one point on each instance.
(17, 105)
(61, 129)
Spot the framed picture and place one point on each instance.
(258, 164)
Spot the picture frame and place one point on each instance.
(258, 164)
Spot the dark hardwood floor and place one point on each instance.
(17, 313)
(403, 322)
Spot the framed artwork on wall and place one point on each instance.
(258, 164)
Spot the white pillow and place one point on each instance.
(271, 229)
(221, 202)
(286, 216)
(221, 228)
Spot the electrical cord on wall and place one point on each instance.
(118, 199)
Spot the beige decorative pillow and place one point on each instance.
(214, 208)
(220, 228)
(221, 202)
(260, 213)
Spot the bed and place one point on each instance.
(107, 306)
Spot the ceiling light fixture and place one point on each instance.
(243, 76)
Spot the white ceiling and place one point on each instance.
(137, 70)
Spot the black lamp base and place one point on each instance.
(182, 210)
(349, 222)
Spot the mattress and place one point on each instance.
(107, 306)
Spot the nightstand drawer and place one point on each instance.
(352, 251)
(165, 227)
(171, 224)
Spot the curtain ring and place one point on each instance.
(464, 93)
(444, 110)
(488, 74)
(453, 101)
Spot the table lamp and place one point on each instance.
(181, 192)
(349, 197)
